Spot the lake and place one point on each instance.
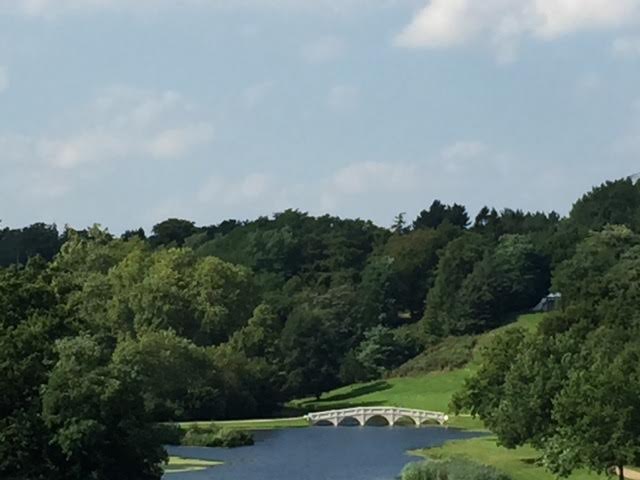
(319, 453)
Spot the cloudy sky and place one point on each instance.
(127, 112)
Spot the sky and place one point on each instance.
(125, 113)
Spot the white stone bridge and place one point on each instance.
(363, 414)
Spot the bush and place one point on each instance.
(169, 433)
(234, 438)
(455, 469)
(213, 436)
(449, 354)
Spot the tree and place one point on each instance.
(577, 378)
(602, 432)
(415, 257)
(399, 225)
(26, 352)
(456, 262)
(511, 278)
(96, 415)
(177, 379)
(377, 293)
(612, 203)
(379, 352)
(581, 278)
(17, 246)
(439, 213)
(172, 232)
(309, 351)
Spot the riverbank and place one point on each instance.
(520, 463)
(183, 465)
(253, 424)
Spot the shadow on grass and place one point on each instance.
(366, 389)
(310, 407)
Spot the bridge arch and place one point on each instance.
(378, 420)
(350, 422)
(407, 420)
(325, 423)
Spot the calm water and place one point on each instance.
(318, 453)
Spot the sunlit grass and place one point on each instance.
(180, 464)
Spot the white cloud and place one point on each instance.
(253, 188)
(464, 149)
(323, 50)
(255, 94)
(119, 126)
(588, 83)
(177, 142)
(48, 8)
(503, 23)
(368, 177)
(626, 47)
(627, 145)
(343, 98)
(125, 123)
(4, 79)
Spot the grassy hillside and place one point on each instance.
(431, 391)
(520, 463)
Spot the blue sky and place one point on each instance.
(127, 112)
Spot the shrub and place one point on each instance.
(234, 438)
(169, 433)
(449, 354)
(213, 436)
(454, 469)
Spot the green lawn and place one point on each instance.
(520, 464)
(179, 465)
(429, 392)
(266, 424)
(432, 391)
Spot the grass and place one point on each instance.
(432, 391)
(266, 424)
(520, 464)
(180, 465)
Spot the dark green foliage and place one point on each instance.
(172, 232)
(581, 279)
(455, 469)
(17, 246)
(380, 352)
(177, 379)
(612, 203)
(310, 352)
(457, 261)
(323, 250)
(97, 417)
(449, 353)
(26, 355)
(439, 213)
(169, 433)
(213, 436)
(510, 278)
(414, 257)
(578, 377)
(101, 336)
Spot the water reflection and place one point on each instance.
(319, 453)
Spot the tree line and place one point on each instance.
(103, 336)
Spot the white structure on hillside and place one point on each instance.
(363, 414)
(548, 303)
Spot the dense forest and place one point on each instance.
(102, 337)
